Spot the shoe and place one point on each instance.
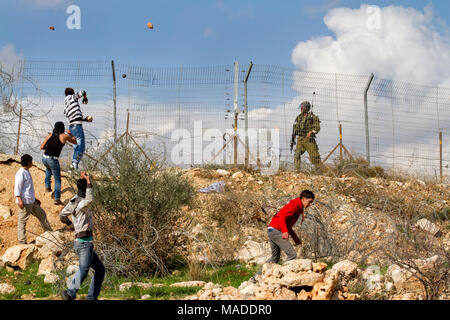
(48, 189)
(58, 202)
(52, 195)
(252, 280)
(66, 296)
(74, 166)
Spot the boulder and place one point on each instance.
(6, 288)
(292, 279)
(428, 226)
(319, 267)
(223, 173)
(284, 294)
(303, 295)
(347, 267)
(298, 265)
(325, 290)
(404, 280)
(50, 243)
(21, 256)
(47, 266)
(374, 282)
(51, 278)
(254, 252)
(5, 212)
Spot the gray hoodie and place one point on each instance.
(81, 211)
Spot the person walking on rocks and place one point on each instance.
(75, 118)
(53, 144)
(80, 207)
(280, 228)
(26, 199)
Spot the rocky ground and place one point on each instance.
(343, 235)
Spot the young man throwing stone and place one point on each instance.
(80, 207)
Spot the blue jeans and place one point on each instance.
(88, 258)
(52, 168)
(78, 151)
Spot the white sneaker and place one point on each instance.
(74, 166)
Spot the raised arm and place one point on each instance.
(45, 141)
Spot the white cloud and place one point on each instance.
(9, 57)
(406, 47)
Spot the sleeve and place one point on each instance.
(293, 234)
(316, 124)
(18, 184)
(79, 94)
(287, 211)
(66, 212)
(88, 200)
(295, 127)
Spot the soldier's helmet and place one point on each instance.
(305, 106)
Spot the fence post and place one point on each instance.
(246, 114)
(366, 118)
(18, 132)
(440, 156)
(236, 110)
(114, 98)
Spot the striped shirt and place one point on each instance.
(72, 109)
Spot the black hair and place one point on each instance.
(25, 160)
(81, 184)
(307, 194)
(59, 128)
(69, 91)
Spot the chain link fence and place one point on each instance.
(161, 106)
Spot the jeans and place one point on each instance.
(88, 258)
(277, 243)
(78, 151)
(54, 169)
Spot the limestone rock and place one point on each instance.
(144, 285)
(428, 226)
(223, 173)
(51, 278)
(6, 288)
(19, 256)
(319, 267)
(325, 290)
(47, 266)
(303, 295)
(298, 265)
(5, 212)
(374, 282)
(347, 267)
(254, 252)
(293, 279)
(188, 284)
(237, 175)
(146, 297)
(50, 243)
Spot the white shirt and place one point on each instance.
(23, 186)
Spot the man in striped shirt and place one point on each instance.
(73, 113)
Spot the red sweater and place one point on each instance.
(285, 219)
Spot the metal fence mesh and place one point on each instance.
(404, 119)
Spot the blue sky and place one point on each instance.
(200, 32)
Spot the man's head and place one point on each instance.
(59, 127)
(307, 198)
(305, 106)
(26, 161)
(69, 92)
(81, 184)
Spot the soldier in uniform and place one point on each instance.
(306, 126)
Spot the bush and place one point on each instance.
(358, 167)
(137, 204)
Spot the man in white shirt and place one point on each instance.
(26, 200)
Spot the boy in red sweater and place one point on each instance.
(281, 227)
